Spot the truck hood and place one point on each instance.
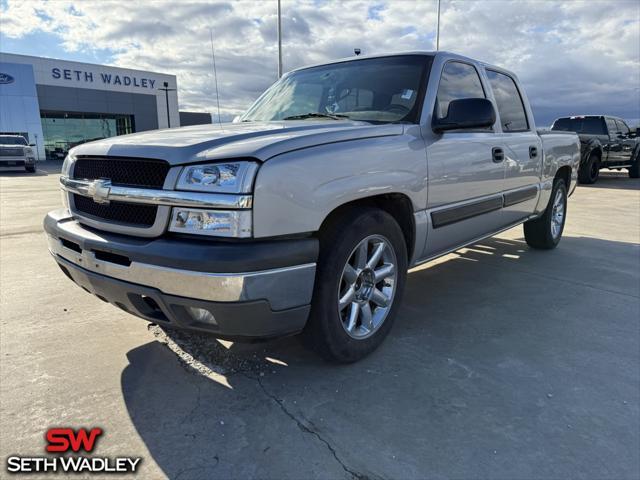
(259, 140)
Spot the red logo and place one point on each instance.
(65, 439)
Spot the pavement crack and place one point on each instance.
(310, 430)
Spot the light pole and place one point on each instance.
(166, 90)
(279, 40)
(37, 148)
(438, 29)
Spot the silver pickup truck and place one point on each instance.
(305, 214)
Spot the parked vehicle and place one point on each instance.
(605, 142)
(16, 152)
(306, 214)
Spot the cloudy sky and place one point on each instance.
(573, 56)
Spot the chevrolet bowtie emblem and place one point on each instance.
(98, 190)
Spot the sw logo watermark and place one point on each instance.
(66, 440)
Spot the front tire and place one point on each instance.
(31, 169)
(361, 275)
(545, 232)
(590, 171)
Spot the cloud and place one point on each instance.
(573, 57)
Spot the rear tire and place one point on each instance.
(357, 292)
(545, 232)
(589, 172)
(634, 170)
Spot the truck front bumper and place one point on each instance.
(248, 289)
(13, 162)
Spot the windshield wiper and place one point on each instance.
(333, 116)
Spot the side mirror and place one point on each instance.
(466, 113)
(32, 144)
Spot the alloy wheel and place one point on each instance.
(367, 286)
(557, 214)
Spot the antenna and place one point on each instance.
(279, 40)
(215, 74)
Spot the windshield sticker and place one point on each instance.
(407, 94)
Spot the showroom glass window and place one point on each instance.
(458, 80)
(64, 130)
(509, 102)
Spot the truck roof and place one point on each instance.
(439, 53)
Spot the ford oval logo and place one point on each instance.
(5, 78)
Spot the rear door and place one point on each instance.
(466, 172)
(522, 148)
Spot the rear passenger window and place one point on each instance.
(510, 106)
(611, 126)
(458, 80)
(622, 127)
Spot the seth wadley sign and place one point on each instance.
(106, 78)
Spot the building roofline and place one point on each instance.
(2, 53)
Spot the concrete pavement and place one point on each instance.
(504, 363)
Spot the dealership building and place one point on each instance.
(58, 104)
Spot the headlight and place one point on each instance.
(234, 177)
(219, 223)
(66, 166)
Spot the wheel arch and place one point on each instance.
(594, 146)
(564, 173)
(398, 205)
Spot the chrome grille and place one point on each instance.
(145, 173)
(131, 214)
(11, 152)
(125, 172)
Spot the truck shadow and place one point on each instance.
(464, 383)
(615, 179)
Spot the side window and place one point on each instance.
(611, 126)
(458, 80)
(510, 106)
(622, 127)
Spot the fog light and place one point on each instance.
(201, 315)
(221, 223)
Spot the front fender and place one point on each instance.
(296, 191)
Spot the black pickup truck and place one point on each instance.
(605, 142)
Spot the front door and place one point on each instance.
(614, 145)
(466, 170)
(627, 143)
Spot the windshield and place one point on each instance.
(378, 90)
(12, 141)
(589, 125)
